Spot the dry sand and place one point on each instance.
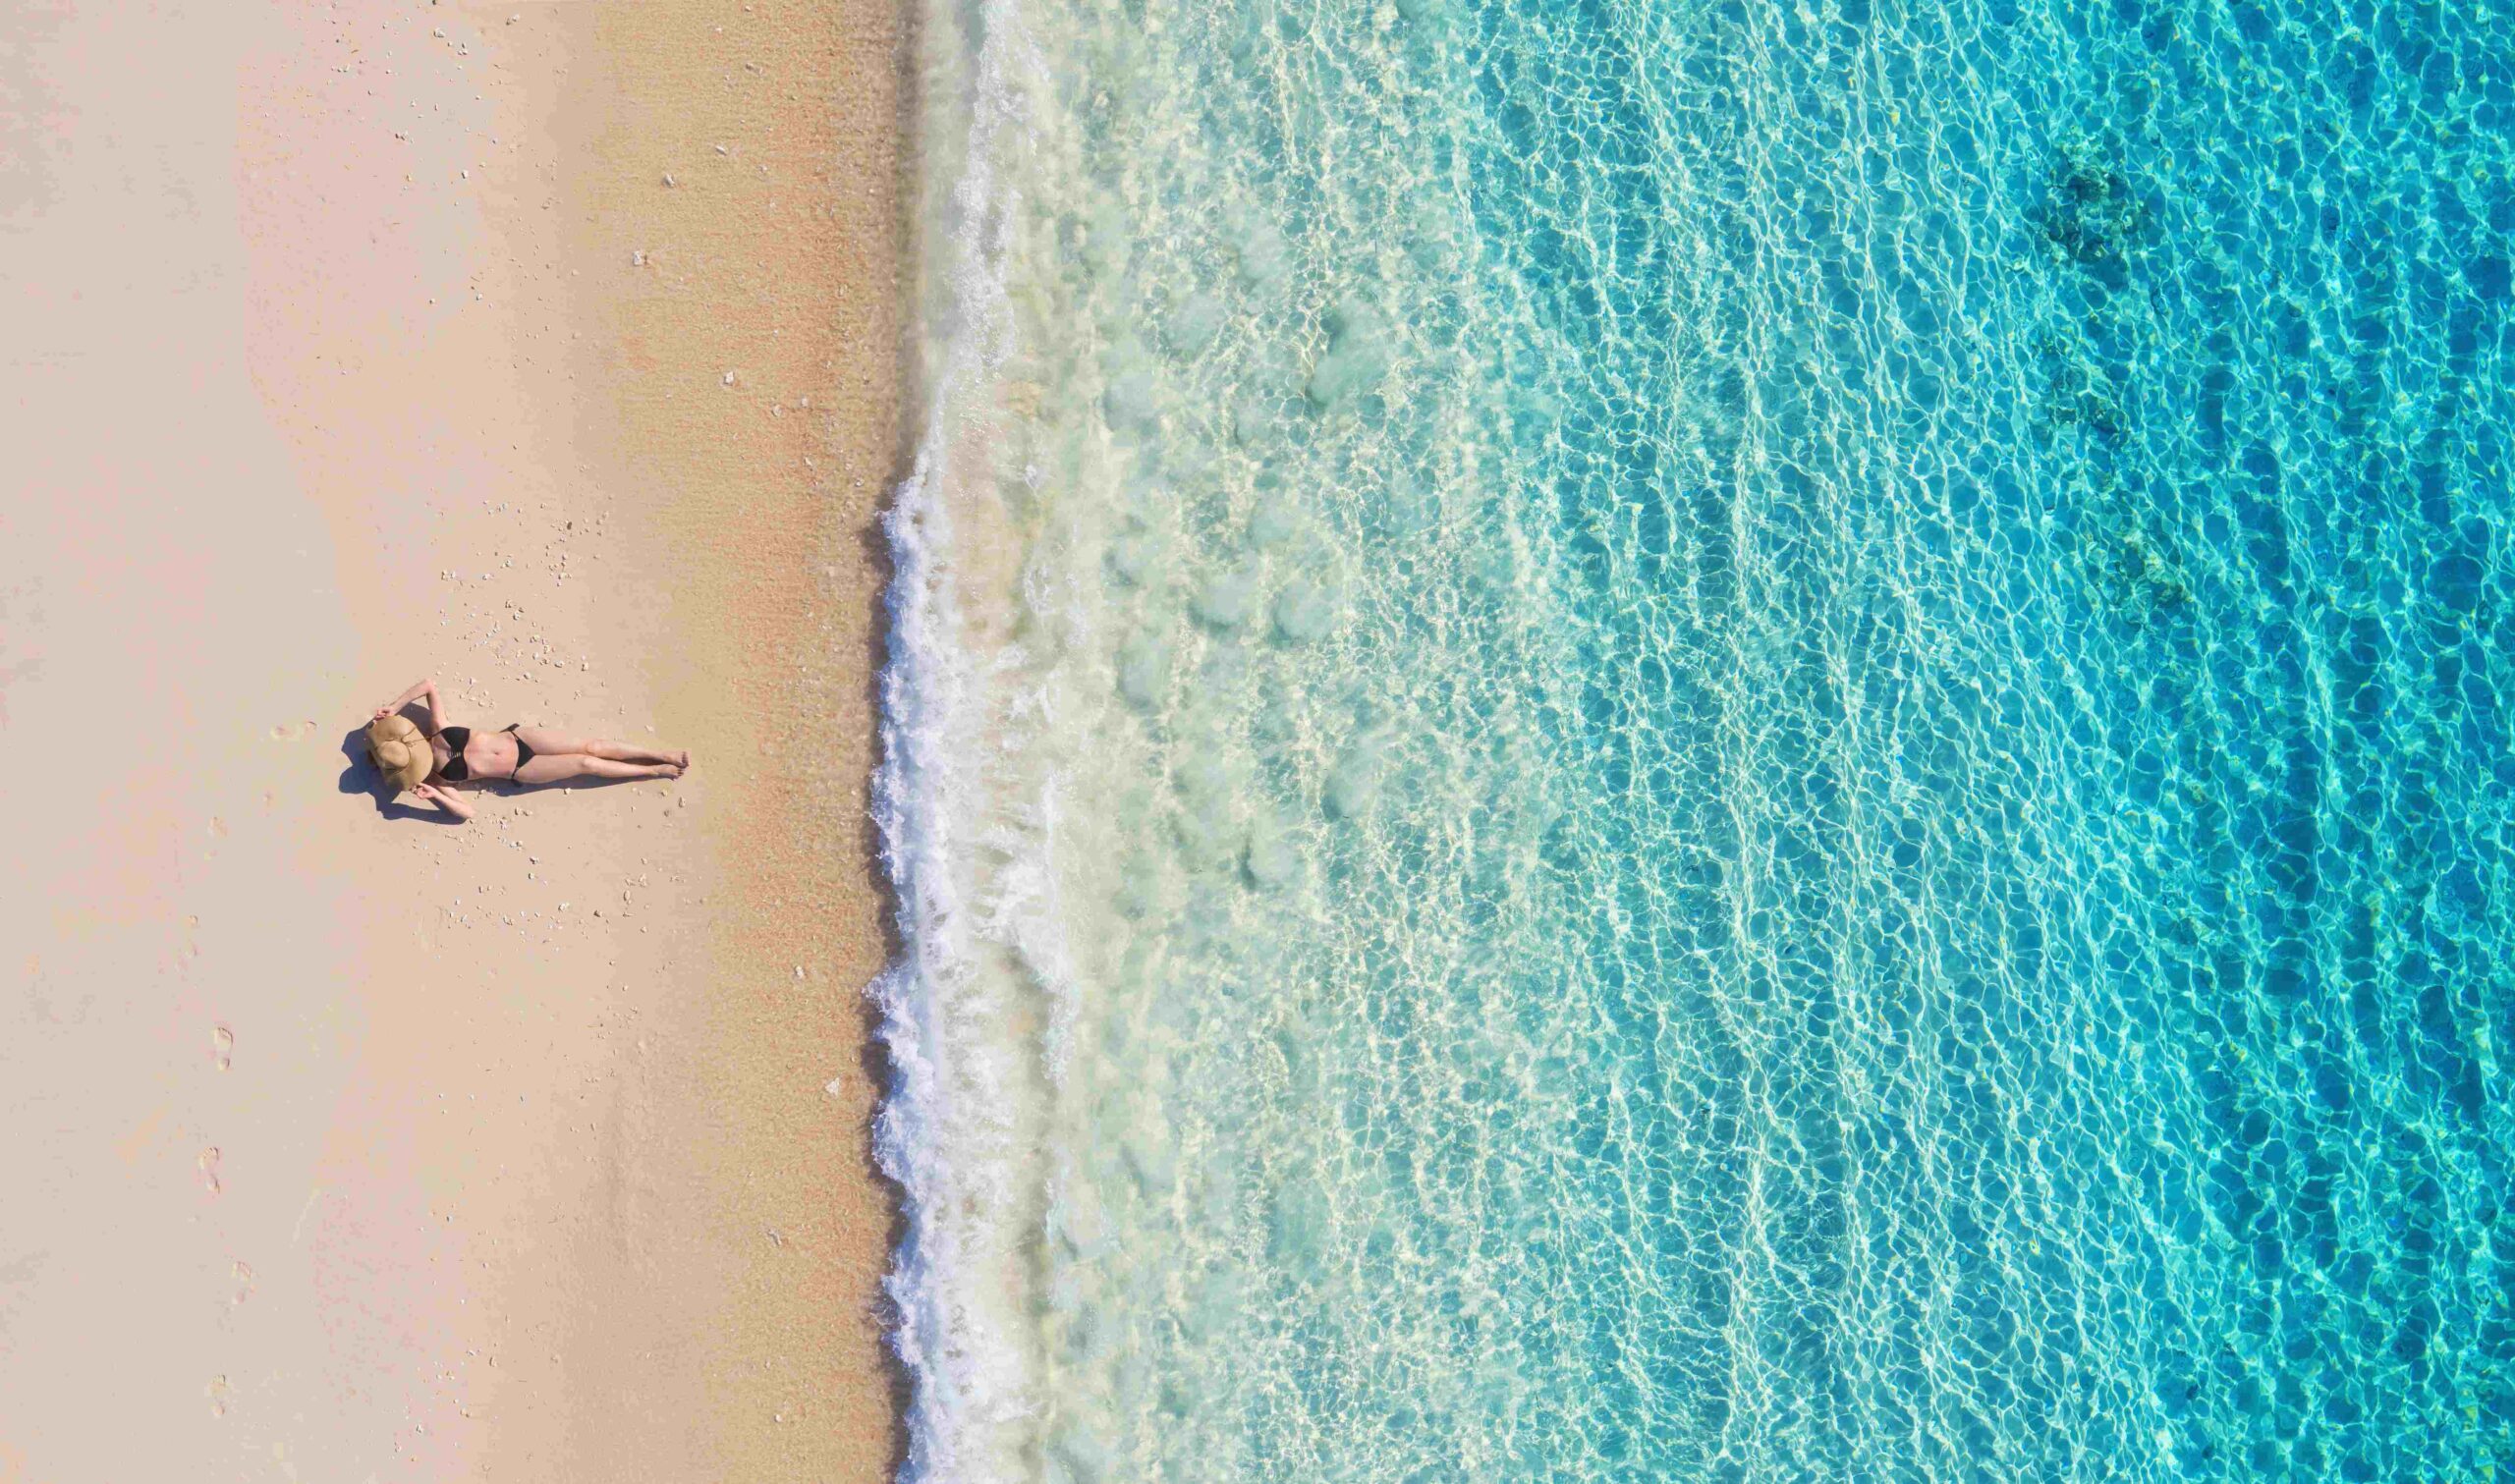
(351, 343)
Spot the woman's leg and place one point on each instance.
(548, 767)
(544, 739)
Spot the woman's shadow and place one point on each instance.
(362, 777)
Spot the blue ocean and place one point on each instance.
(1697, 740)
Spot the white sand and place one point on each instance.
(348, 1144)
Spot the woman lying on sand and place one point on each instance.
(421, 759)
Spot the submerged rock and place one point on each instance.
(1304, 611)
(1130, 403)
(1229, 601)
(1265, 255)
(2092, 215)
(1355, 358)
(1143, 670)
(1193, 326)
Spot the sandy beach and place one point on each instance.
(551, 350)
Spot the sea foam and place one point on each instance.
(953, 1132)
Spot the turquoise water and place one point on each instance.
(1708, 741)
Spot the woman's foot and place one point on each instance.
(680, 760)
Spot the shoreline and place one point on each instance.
(367, 345)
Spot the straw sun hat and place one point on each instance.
(401, 750)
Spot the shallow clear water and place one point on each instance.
(1708, 741)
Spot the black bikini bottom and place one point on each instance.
(456, 770)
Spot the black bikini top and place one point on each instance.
(456, 770)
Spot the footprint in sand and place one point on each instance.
(222, 1046)
(243, 1286)
(217, 1391)
(292, 730)
(208, 1163)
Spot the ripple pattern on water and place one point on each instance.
(1712, 741)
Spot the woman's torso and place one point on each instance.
(465, 754)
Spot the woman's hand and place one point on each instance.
(442, 799)
(426, 688)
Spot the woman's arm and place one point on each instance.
(443, 799)
(436, 707)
